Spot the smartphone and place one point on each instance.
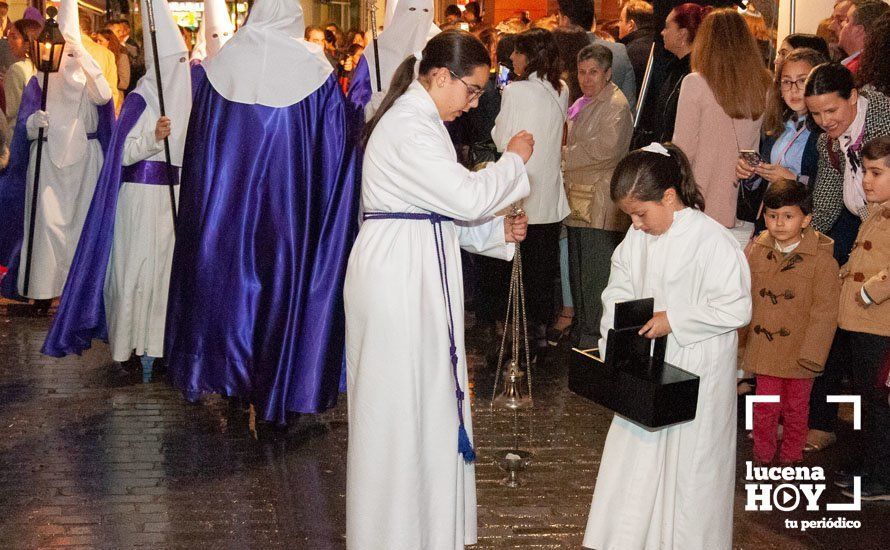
(503, 76)
(464, 26)
(752, 157)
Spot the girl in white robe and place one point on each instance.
(672, 489)
(407, 486)
(70, 163)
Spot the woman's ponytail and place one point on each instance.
(402, 78)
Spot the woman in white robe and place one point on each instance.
(71, 161)
(407, 485)
(673, 488)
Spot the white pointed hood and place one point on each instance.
(407, 31)
(175, 74)
(199, 51)
(267, 62)
(66, 135)
(215, 30)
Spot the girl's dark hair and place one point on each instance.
(456, 50)
(645, 176)
(877, 149)
(777, 111)
(830, 78)
(811, 41)
(539, 47)
(875, 67)
(788, 193)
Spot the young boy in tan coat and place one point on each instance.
(864, 325)
(795, 290)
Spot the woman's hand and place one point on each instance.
(162, 128)
(743, 170)
(774, 172)
(657, 326)
(523, 144)
(515, 228)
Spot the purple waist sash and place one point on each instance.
(149, 172)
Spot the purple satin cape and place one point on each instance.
(81, 314)
(360, 86)
(13, 183)
(267, 217)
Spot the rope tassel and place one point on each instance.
(464, 447)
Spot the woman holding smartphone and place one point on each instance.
(788, 146)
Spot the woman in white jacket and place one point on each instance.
(410, 479)
(537, 104)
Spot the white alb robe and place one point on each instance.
(64, 198)
(407, 487)
(672, 489)
(138, 278)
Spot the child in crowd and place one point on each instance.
(674, 487)
(864, 326)
(795, 293)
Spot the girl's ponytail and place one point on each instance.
(402, 78)
(458, 51)
(686, 188)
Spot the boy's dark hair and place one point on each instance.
(877, 149)
(788, 193)
(452, 9)
(579, 12)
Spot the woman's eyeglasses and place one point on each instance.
(475, 92)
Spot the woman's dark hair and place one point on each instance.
(30, 30)
(875, 67)
(570, 41)
(456, 50)
(579, 12)
(113, 43)
(689, 16)
(506, 45)
(811, 41)
(777, 111)
(473, 7)
(877, 149)
(645, 176)
(539, 47)
(830, 78)
(788, 193)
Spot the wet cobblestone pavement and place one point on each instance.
(91, 457)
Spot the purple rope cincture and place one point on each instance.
(464, 447)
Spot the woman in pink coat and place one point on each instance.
(720, 111)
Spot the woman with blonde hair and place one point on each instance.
(720, 111)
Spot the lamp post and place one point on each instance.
(46, 53)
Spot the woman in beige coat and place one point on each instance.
(599, 132)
